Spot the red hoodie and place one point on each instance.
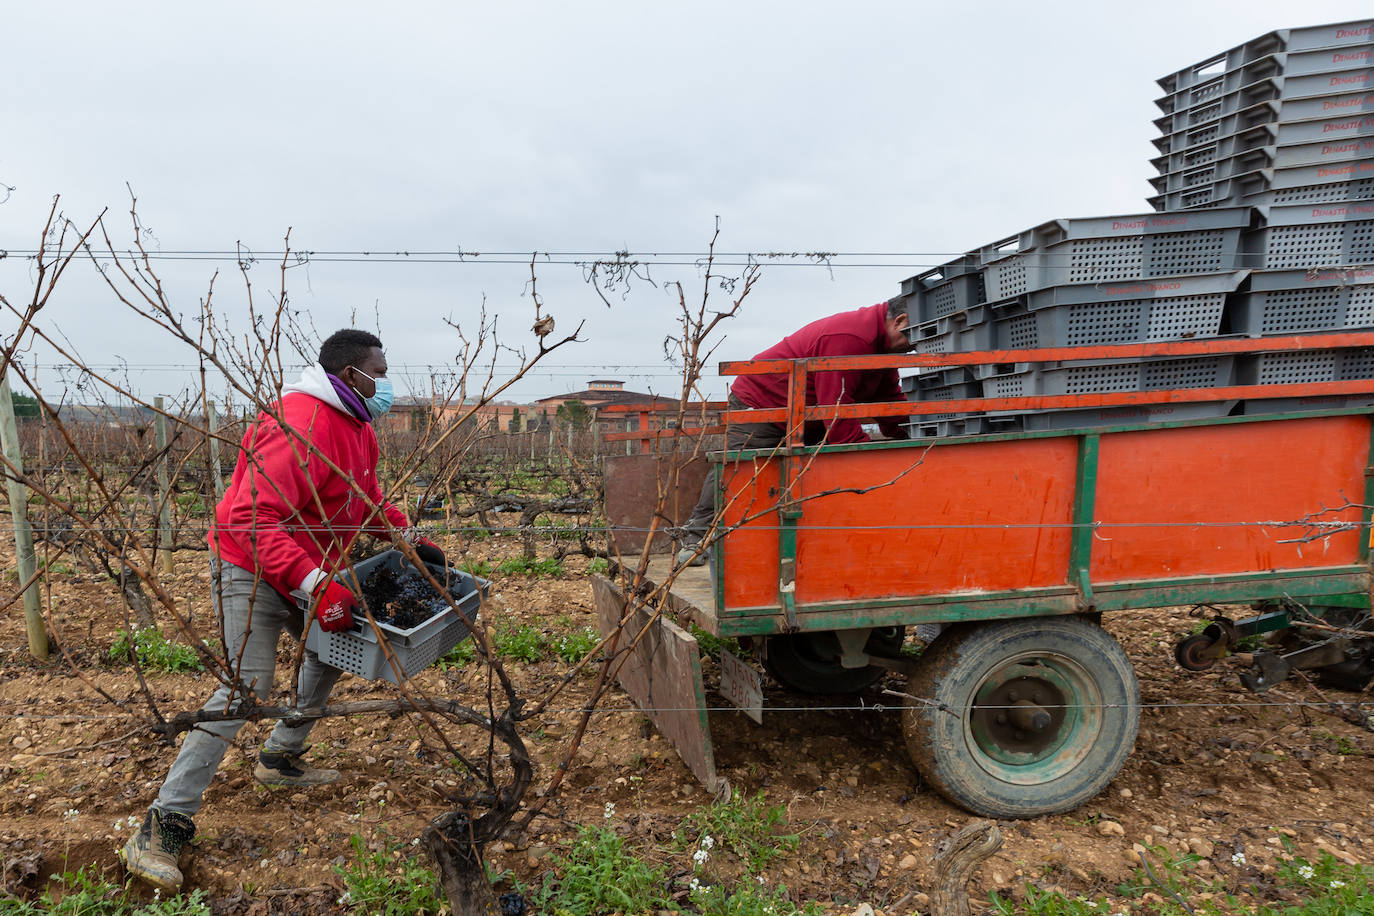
(271, 518)
(857, 333)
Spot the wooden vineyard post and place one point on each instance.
(211, 425)
(164, 489)
(19, 510)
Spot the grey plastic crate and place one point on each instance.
(1315, 236)
(1202, 136)
(1188, 160)
(357, 650)
(1325, 130)
(1299, 301)
(1199, 116)
(1320, 154)
(1353, 170)
(958, 333)
(1227, 192)
(1332, 192)
(1316, 84)
(1307, 366)
(1107, 249)
(1217, 94)
(941, 292)
(1168, 309)
(1321, 107)
(1252, 162)
(1116, 375)
(969, 425)
(1327, 60)
(1131, 415)
(1258, 406)
(1332, 34)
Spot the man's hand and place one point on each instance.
(334, 605)
(429, 551)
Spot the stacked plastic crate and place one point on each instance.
(1262, 227)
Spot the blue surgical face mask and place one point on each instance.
(382, 397)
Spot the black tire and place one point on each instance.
(1187, 652)
(1075, 687)
(810, 662)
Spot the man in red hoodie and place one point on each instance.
(304, 488)
(862, 332)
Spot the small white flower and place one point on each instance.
(1335, 884)
(70, 814)
(119, 825)
(610, 811)
(695, 885)
(1307, 871)
(707, 842)
(1238, 858)
(700, 856)
(415, 842)
(761, 879)
(157, 894)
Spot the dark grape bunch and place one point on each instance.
(403, 600)
(512, 904)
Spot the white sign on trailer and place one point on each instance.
(741, 685)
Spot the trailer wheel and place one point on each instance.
(810, 662)
(1189, 652)
(1022, 717)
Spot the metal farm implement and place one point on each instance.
(1017, 542)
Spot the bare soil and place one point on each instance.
(1216, 771)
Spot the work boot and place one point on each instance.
(685, 557)
(151, 854)
(283, 768)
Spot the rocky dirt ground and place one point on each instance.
(1216, 771)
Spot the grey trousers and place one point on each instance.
(738, 436)
(254, 615)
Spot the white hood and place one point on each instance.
(315, 382)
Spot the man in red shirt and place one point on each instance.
(304, 488)
(864, 331)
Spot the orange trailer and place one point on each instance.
(1017, 543)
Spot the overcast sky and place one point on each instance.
(909, 128)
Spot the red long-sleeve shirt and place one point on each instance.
(855, 333)
(286, 511)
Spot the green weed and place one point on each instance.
(459, 656)
(745, 826)
(520, 642)
(476, 568)
(599, 566)
(87, 892)
(711, 645)
(747, 900)
(155, 651)
(573, 647)
(600, 875)
(1330, 887)
(523, 566)
(389, 881)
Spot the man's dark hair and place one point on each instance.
(346, 348)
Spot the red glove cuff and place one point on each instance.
(334, 606)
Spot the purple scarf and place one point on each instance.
(349, 397)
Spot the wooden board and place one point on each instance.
(632, 492)
(662, 674)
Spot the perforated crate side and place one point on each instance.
(1116, 321)
(1295, 302)
(947, 297)
(1105, 377)
(1131, 415)
(1008, 277)
(1311, 366)
(1317, 193)
(1315, 245)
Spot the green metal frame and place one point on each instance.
(1342, 585)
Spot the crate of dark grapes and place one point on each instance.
(419, 623)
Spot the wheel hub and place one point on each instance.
(1018, 714)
